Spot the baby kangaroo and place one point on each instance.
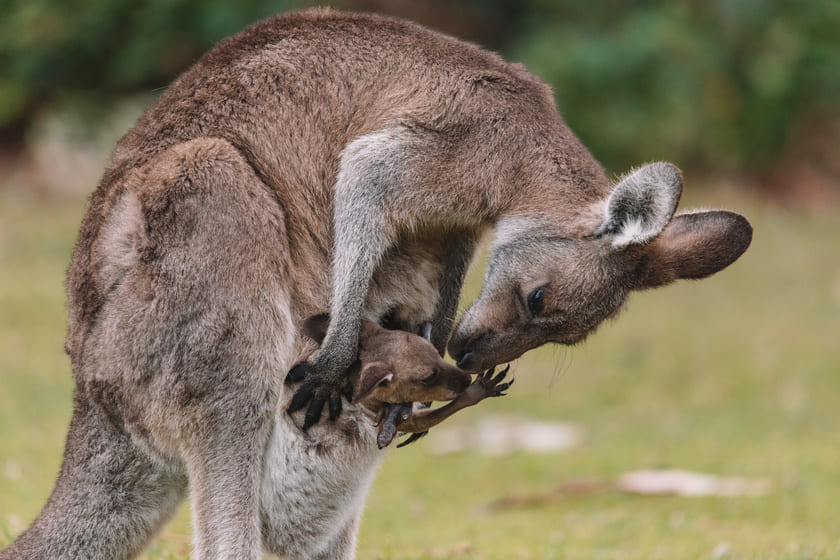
(396, 369)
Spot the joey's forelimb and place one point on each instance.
(420, 421)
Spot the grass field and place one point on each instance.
(735, 375)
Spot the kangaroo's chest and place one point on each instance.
(406, 284)
(314, 483)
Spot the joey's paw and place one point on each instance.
(394, 415)
(319, 387)
(489, 384)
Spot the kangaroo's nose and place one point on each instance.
(466, 360)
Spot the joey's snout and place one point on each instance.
(458, 381)
(449, 382)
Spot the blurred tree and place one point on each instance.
(720, 83)
(86, 52)
(711, 82)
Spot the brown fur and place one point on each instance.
(322, 159)
(396, 367)
(240, 87)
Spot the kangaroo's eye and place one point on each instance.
(431, 378)
(535, 301)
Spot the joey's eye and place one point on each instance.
(431, 378)
(535, 301)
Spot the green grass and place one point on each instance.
(737, 375)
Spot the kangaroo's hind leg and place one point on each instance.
(179, 367)
(109, 500)
(204, 319)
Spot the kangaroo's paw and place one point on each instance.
(321, 385)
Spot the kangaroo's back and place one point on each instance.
(289, 93)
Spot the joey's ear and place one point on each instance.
(316, 327)
(694, 245)
(373, 375)
(641, 204)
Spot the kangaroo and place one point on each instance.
(324, 159)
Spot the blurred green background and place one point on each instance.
(737, 86)
(735, 375)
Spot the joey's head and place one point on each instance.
(543, 285)
(396, 366)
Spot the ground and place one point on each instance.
(734, 375)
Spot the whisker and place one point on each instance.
(561, 364)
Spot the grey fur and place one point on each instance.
(641, 204)
(319, 159)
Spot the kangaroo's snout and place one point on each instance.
(461, 348)
(465, 361)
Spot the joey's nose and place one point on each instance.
(461, 382)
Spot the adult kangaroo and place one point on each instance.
(323, 159)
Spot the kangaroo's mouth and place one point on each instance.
(477, 362)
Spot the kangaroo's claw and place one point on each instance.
(335, 406)
(319, 388)
(297, 373)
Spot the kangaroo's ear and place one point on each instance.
(316, 327)
(375, 374)
(694, 245)
(641, 204)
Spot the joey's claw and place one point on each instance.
(412, 438)
(501, 375)
(500, 389)
(489, 383)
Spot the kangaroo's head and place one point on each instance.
(544, 286)
(396, 366)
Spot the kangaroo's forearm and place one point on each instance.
(457, 255)
(362, 236)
